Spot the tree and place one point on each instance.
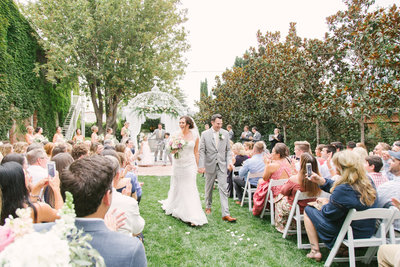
(116, 47)
(203, 89)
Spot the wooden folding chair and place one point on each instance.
(248, 190)
(299, 217)
(269, 198)
(379, 238)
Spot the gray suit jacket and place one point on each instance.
(156, 134)
(117, 249)
(211, 155)
(256, 137)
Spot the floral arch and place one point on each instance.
(153, 105)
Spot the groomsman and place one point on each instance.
(166, 153)
(230, 132)
(246, 134)
(159, 133)
(256, 135)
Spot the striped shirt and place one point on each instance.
(378, 178)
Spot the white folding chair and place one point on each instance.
(379, 238)
(392, 235)
(296, 215)
(235, 172)
(248, 190)
(269, 198)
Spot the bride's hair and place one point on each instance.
(188, 121)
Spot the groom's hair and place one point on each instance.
(216, 116)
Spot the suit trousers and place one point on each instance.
(160, 148)
(389, 255)
(222, 188)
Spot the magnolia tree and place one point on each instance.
(116, 47)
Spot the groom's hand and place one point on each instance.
(201, 170)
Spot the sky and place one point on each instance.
(221, 30)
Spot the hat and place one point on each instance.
(396, 155)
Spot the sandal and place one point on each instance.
(315, 254)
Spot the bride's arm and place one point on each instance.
(196, 151)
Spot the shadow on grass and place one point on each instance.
(249, 242)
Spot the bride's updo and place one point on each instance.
(188, 121)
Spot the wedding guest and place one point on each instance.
(79, 150)
(284, 200)
(37, 161)
(328, 169)
(94, 137)
(134, 223)
(338, 145)
(29, 136)
(230, 131)
(245, 136)
(20, 147)
(92, 200)
(300, 147)
(318, 150)
(6, 149)
(96, 148)
(277, 166)
(206, 126)
(396, 146)
(256, 135)
(351, 145)
(362, 153)
(125, 133)
(373, 166)
(15, 195)
(277, 138)
(253, 165)
(248, 148)
(49, 148)
(353, 189)
(58, 136)
(362, 145)
(78, 138)
(239, 156)
(60, 148)
(128, 175)
(381, 150)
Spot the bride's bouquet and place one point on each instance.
(176, 144)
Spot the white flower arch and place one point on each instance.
(153, 105)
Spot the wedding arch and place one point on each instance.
(153, 105)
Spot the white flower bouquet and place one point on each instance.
(62, 245)
(176, 144)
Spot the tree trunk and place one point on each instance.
(362, 129)
(317, 130)
(97, 101)
(284, 133)
(111, 112)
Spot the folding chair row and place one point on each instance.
(248, 190)
(269, 198)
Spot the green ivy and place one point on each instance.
(22, 91)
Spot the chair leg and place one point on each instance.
(234, 193)
(265, 206)
(250, 198)
(244, 195)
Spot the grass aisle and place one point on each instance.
(170, 242)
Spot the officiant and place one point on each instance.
(275, 138)
(159, 135)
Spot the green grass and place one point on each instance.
(170, 242)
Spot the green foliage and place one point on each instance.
(383, 132)
(21, 90)
(203, 89)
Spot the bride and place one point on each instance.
(183, 200)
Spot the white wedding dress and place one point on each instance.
(183, 200)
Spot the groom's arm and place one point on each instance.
(202, 151)
(228, 152)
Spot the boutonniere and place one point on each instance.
(221, 137)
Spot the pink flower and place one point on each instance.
(6, 237)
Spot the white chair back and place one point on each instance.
(248, 190)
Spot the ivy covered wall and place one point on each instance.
(22, 91)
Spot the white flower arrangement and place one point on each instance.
(221, 137)
(62, 245)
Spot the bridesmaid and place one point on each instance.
(95, 137)
(78, 138)
(58, 136)
(29, 137)
(125, 134)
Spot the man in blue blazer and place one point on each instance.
(89, 181)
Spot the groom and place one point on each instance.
(215, 156)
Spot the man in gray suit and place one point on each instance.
(92, 199)
(256, 135)
(215, 156)
(159, 133)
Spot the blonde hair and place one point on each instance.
(6, 149)
(352, 172)
(49, 148)
(362, 152)
(20, 147)
(239, 148)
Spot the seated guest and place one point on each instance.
(277, 166)
(256, 135)
(128, 176)
(79, 150)
(351, 145)
(381, 150)
(300, 147)
(59, 148)
(49, 148)
(352, 190)
(6, 149)
(248, 148)
(328, 169)
(373, 166)
(37, 161)
(96, 149)
(15, 195)
(134, 223)
(362, 153)
(284, 200)
(318, 150)
(338, 145)
(92, 199)
(246, 134)
(239, 157)
(20, 147)
(253, 165)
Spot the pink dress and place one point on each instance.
(261, 191)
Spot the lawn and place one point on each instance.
(249, 242)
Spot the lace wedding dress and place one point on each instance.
(183, 200)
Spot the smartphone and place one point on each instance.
(309, 170)
(51, 168)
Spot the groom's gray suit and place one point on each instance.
(215, 156)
